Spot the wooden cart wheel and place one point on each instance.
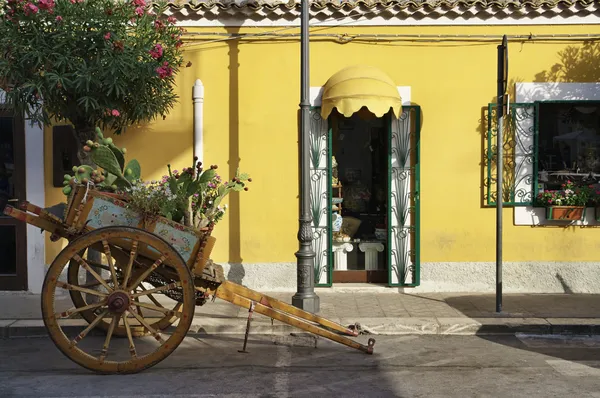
(80, 299)
(150, 259)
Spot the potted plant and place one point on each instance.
(566, 204)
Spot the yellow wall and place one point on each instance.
(250, 120)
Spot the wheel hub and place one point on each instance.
(118, 302)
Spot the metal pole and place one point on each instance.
(502, 75)
(499, 207)
(305, 297)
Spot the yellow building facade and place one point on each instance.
(443, 61)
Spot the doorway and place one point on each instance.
(359, 197)
(13, 238)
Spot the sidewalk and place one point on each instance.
(377, 313)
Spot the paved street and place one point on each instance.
(402, 366)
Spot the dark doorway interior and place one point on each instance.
(360, 190)
(13, 239)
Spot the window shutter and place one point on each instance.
(320, 194)
(520, 155)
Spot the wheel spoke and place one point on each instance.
(89, 269)
(145, 274)
(155, 301)
(129, 337)
(92, 284)
(111, 264)
(132, 257)
(98, 265)
(92, 325)
(159, 309)
(143, 322)
(74, 310)
(156, 290)
(137, 306)
(68, 286)
(109, 334)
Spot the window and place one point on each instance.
(568, 143)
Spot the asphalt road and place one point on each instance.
(402, 366)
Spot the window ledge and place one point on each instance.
(529, 215)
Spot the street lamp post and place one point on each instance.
(305, 297)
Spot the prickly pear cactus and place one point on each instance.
(112, 175)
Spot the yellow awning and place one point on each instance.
(356, 86)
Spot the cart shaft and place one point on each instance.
(289, 314)
(36, 220)
(287, 308)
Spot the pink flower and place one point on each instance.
(164, 70)
(30, 9)
(107, 36)
(115, 113)
(73, 1)
(158, 24)
(46, 4)
(139, 11)
(157, 51)
(59, 18)
(172, 20)
(139, 3)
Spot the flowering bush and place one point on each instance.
(151, 199)
(569, 195)
(191, 197)
(93, 62)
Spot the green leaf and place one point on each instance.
(193, 188)
(122, 183)
(207, 175)
(173, 185)
(110, 179)
(133, 170)
(105, 158)
(119, 156)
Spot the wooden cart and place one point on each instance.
(148, 277)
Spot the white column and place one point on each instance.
(340, 258)
(198, 99)
(371, 250)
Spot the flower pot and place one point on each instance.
(565, 213)
(597, 213)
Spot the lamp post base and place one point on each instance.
(306, 301)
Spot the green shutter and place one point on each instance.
(519, 155)
(404, 199)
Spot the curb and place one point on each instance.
(371, 326)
